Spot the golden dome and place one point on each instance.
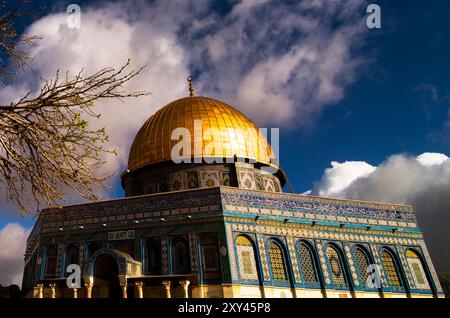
(238, 135)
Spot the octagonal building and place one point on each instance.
(216, 223)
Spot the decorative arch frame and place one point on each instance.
(344, 264)
(316, 263)
(65, 260)
(256, 255)
(425, 267)
(399, 268)
(128, 267)
(187, 257)
(200, 252)
(370, 260)
(156, 241)
(286, 260)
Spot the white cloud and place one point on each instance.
(432, 158)
(341, 175)
(422, 181)
(12, 247)
(277, 62)
(281, 63)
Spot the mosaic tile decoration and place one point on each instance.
(293, 257)
(231, 254)
(391, 269)
(276, 261)
(246, 259)
(193, 252)
(431, 268)
(164, 255)
(408, 274)
(264, 263)
(351, 264)
(247, 180)
(375, 252)
(323, 263)
(300, 202)
(337, 271)
(209, 179)
(308, 265)
(418, 271)
(362, 263)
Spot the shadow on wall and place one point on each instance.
(12, 291)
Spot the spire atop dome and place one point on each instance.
(191, 86)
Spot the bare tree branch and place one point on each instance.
(46, 141)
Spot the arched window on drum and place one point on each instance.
(337, 268)
(308, 264)
(246, 255)
(417, 270)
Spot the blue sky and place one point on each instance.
(393, 97)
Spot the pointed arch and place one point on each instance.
(209, 252)
(309, 264)
(51, 261)
(362, 259)
(278, 262)
(153, 256)
(247, 259)
(180, 256)
(419, 270)
(338, 267)
(392, 269)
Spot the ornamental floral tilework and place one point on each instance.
(246, 259)
(362, 262)
(375, 253)
(262, 251)
(337, 271)
(308, 265)
(351, 265)
(323, 263)
(292, 255)
(418, 272)
(391, 269)
(232, 258)
(277, 262)
(193, 251)
(405, 267)
(164, 256)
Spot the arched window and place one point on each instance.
(153, 254)
(277, 262)
(362, 264)
(246, 259)
(210, 257)
(417, 269)
(92, 248)
(308, 264)
(391, 269)
(337, 267)
(180, 256)
(71, 255)
(52, 259)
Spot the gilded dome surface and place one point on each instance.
(233, 134)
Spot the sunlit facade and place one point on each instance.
(223, 228)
